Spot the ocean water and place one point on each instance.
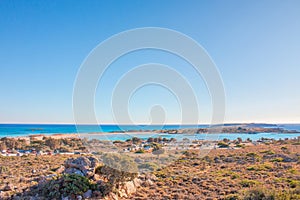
(107, 131)
(13, 130)
(178, 137)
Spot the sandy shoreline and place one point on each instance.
(81, 135)
(130, 133)
(54, 136)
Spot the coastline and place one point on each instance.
(14, 130)
(137, 133)
(235, 162)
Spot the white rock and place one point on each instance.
(87, 194)
(137, 182)
(129, 187)
(79, 197)
(148, 182)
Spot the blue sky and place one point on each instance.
(255, 45)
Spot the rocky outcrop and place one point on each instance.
(284, 158)
(79, 179)
(128, 188)
(84, 166)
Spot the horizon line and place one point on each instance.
(139, 124)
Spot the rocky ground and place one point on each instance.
(270, 170)
(17, 174)
(229, 174)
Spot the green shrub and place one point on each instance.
(148, 166)
(158, 150)
(284, 148)
(259, 167)
(3, 169)
(232, 197)
(293, 183)
(251, 154)
(240, 146)
(235, 176)
(251, 168)
(259, 194)
(118, 142)
(293, 171)
(65, 185)
(277, 160)
(268, 152)
(140, 151)
(248, 183)
(271, 194)
(223, 145)
(117, 168)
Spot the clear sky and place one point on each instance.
(255, 45)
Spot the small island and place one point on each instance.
(238, 128)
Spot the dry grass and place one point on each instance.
(26, 171)
(227, 173)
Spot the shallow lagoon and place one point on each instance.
(221, 136)
(14, 130)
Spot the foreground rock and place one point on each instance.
(87, 178)
(84, 166)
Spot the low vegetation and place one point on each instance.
(250, 173)
(255, 172)
(67, 185)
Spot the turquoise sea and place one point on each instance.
(107, 131)
(13, 130)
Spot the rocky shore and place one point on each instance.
(229, 129)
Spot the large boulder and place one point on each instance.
(84, 166)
